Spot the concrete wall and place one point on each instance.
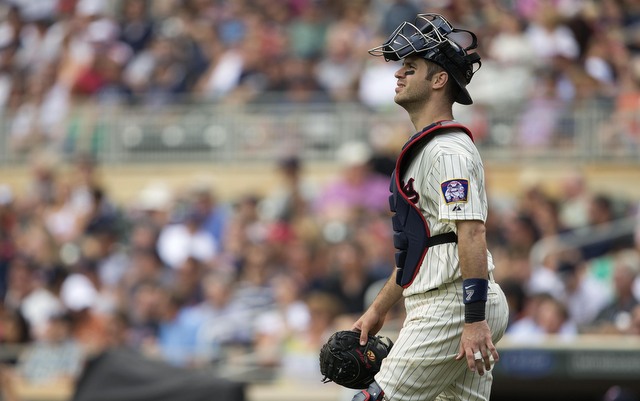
(125, 182)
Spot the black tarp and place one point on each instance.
(126, 375)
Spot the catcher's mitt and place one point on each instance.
(344, 361)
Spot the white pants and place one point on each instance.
(421, 365)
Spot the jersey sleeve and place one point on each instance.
(459, 183)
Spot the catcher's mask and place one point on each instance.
(429, 37)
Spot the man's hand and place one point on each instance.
(369, 323)
(476, 341)
(372, 320)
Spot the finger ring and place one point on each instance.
(477, 356)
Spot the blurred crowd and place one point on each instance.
(193, 279)
(188, 275)
(547, 57)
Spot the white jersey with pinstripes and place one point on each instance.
(447, 162)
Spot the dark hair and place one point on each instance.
(24, 328)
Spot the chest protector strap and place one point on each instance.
(412, 238)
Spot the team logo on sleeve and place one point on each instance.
(455, 190)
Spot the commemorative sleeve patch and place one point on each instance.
(455, 190)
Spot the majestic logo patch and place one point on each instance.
(410, 191)
(455, 190)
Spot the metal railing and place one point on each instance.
(220, 133)
(621, 230)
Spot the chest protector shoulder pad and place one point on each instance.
(411, 236)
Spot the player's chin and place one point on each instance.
(401, 100)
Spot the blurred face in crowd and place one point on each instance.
(623, 277)
(11, 329)
(58, 329)
(635, 321)
(21, 279)
(551, 316)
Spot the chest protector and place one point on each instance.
(412, 238)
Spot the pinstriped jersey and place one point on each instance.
(446, 178)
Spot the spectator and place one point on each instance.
(634, 328)
(615, 317)
(307, 33)
(186, 284)
(83, 297)
(8, 228)
(300, 354)
(26, 293)
(177, 242)
(376, 83)
(585, 295)
(245, 227)
(350, 277)
(63, 221)
(255, 272)
(38, 120)
(508, 66)
(573, 211)
(339, 199)
(516, 299)
(157, 74)
(622, 131)
(15, 334)
(545, 316)
(289, 317)
(177, 333)
(339, 69)
(213, 213)
(549, 37)
(521, 233)
(55, 360)
(290, 200)
(546, 217)
(101, 243)
(394, 13)
(539, 122)
(224, 321)
(602, 213)
(141, 305)
(136, 28)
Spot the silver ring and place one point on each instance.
(477, 356)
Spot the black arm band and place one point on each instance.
(474, 312)
(475, 297)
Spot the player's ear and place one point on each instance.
(439, 79)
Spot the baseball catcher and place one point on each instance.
(455, 311)
(344, 361)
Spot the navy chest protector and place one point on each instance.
(412, 238)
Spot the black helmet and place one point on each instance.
(428, 37)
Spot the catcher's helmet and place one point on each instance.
(429, 37)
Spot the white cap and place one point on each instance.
(90, 7)
(354, 153)
(78, 293)
(156, 196)
(6, 196)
